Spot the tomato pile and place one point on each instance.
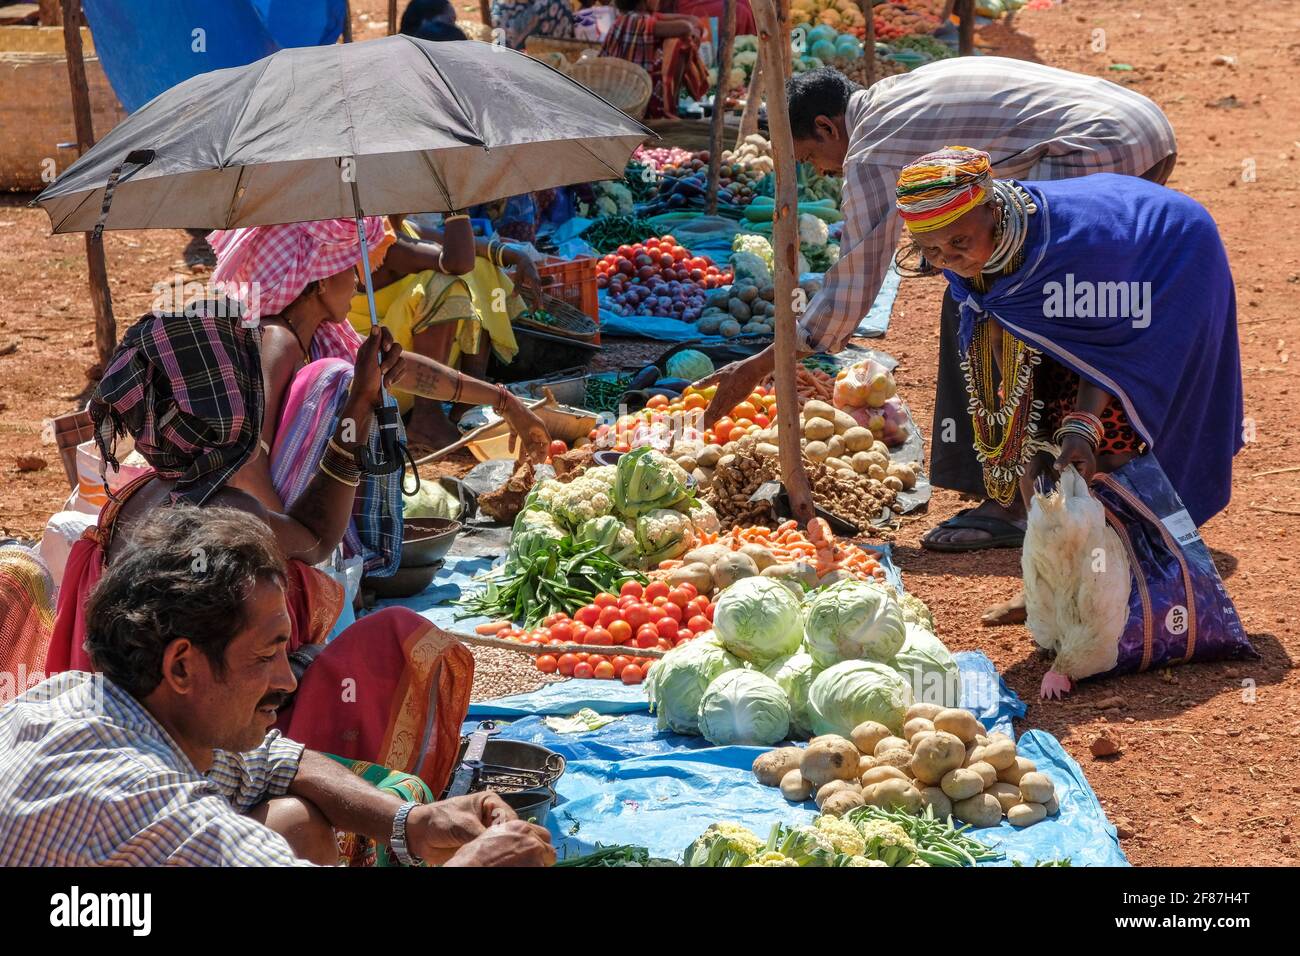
(679, 417)
(654, 616)
(658, 277)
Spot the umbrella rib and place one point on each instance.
(465, 113)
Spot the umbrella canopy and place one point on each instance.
(416, 126)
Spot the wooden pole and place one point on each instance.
(726, 35)
(347, 21)
(869, 40)
(392, 17)
(101, 298)
(787, 51)
(965, 27)
(611, 650)
(753, 101)
(774, 37)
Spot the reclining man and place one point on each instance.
(166, 756)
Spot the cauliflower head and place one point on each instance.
(844, 836)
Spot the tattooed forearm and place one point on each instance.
(429, 380)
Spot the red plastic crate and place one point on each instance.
(573, 281)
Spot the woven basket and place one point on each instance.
(539, 46)
(570, 321)
(624, 84)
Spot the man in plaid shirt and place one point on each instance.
(166, 755)
(1037, 122)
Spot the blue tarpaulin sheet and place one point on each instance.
(148, 46)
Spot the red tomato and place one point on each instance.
(580, 632)
(664, 644)
(604, 671)
(689, 589)
(708, 612)
(582, 656)
(588, 615)
(632, 674)
(582, 670)
(620, 662)
(667, 628)
(632, 589)
(648, 636)
(637, 615)
(661, 600)
(554, 642)
(597, 659)
(698, 606)
(673, 612)
(552, 618)
(657, 614)
(698, 624)
(600, 637)
(665, 240)
(605, 600)
(563, 630)
(620, 631)
(566, 664)
(610, 614)
(627, 252)
(547, 664)
(556, 447)
(657, 589)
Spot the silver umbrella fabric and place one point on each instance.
(415, 126)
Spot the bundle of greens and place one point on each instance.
(625, 855)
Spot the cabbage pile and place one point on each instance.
(772, 669)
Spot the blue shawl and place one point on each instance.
(1127, 284)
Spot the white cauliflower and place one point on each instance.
(844, 836)
(812, 231)
(772, 858)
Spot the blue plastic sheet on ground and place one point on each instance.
(148, 46)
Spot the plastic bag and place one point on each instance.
(864, 385)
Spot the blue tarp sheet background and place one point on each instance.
(147, 46)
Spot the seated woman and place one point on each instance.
(514, 21)
(431, 20)
(189, 391)
(665, 45)
(746, 25)
(304, 278)
(1098, 322)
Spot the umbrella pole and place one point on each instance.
(365, 271)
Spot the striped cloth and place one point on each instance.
(89, 778)
(189, 388)
(1037, 122)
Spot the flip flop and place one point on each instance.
(1002, 533)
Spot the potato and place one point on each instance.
(874, 472)
(892, 483)
(981, 740)
(961, 783)
(935, 756)
(1052, 806)
(828, 790)
(727, 571)
(981, 810)
(765, 449)
(760, 555)
(835, 447)
(880, 774)
(898, 757)
(840, 464)
(880, 448)
(905, 475)
(816, 451)
(1036, 788)
(825, 760)
(795, 788)
(987, 774)
(1026, 814)
(688, 463)
(896, 795)
(861, 462)
(770, 768)
(818, 429)
(858, 438)
(844, 421)
(1005, 794)
(867, 792)
(928, 711)
(823, 738)
(866, 735)
(819, 409)
(919, 736)
(915, 726)
(934, 797)
(1000, 753)
(696, 574)
(841, 803)
(708, 456)
(974, 754)
(865, 763)
(796, 572)
(707, 555)
(958, 722)
(889, 743)
(1013, 773)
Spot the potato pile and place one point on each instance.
(943, 760)
(835, 438)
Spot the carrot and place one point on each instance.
(790, 525)
(670, 565)
(491, 627)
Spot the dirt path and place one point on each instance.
(1208, 774)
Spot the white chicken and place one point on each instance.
(1077, 583)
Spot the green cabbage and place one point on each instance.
(680, 679)
(742, 706)
(689, 364)
(433, 500)
(853, 620)
(647, 480)
(758, 620)
(929, 668)
(852, 692)
(795, 675)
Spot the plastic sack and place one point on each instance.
(61, 532)
(864, 385)
(1179, 610)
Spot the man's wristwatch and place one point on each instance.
(398, 842)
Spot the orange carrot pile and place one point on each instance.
(813, 384)
(788, 544)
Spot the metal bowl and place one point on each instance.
(404, 582)
(532, 805)
(426, 541)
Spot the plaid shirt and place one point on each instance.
(91, 781)
(1037, 122)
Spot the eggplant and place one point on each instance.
(634, 400)
(677, 385)
(644, 378)
(665, 392)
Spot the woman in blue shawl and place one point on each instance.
(1098, 322)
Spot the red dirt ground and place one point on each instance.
(1208, 772)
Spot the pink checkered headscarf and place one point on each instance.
(265, 268)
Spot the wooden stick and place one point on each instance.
(726, 34)
(753, 102)
(536, 650)
(392, 17)
(1277, 471)
(101, 298)
(774, 35)
(965, 27)
(869, 41)
(347, 21)
(1276, 511)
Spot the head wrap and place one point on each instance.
(265, 268)
(941, 187)
(188, 389)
